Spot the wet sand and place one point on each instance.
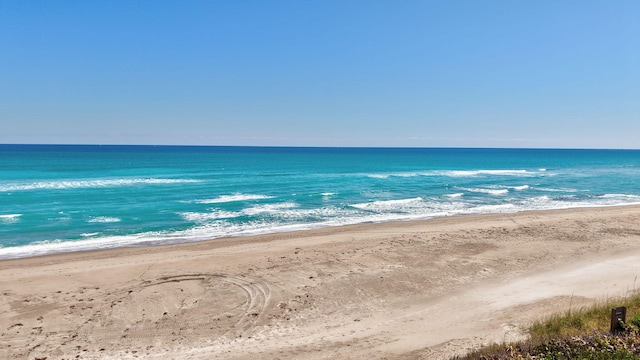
(403, 290)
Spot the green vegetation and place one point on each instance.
(582, 334)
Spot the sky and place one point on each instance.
(397, 73)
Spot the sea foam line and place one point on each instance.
(456, 173)
(86, 184)
(418, 209)
(471, 173)
(234, 198)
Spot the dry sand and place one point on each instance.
(405, 290)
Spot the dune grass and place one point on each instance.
(595, 318)
(576, 334)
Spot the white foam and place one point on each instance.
(212, 228)
(329, 213)
(455, 173)
(379, 176)
(408, 174)
(556, 190)
(614, 199)
(520, 188)
(454, 196)
(620, 196)
(234, 198)
(58, 246)
(471, 173)
(10, 218)
(98, 183)
(487, 191)
(104, 219)
(387, 205)
(269, 208)
(492, 209)
(204, 217)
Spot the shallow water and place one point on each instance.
(66, 198)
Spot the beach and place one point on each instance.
(427, 289)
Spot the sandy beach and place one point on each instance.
(404, 290)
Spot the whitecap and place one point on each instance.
(389, 205)
(556, 189)
(378, 176)
(487, 191)
(234, 198)
(471, 173)
(89, 234)
(326, 196)
(269, 208)
(104, 219)
(10, 218)
(204, 217)
(87, 184)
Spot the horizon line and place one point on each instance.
(312, 146)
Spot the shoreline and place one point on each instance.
(355, 291)
(235, 238)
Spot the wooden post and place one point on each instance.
(618, 315)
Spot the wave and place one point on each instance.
(88, 184)
(457, 173)
(60, 246)
(9, 218)
(453, 196)
(472, 173)
(204, 217)
(233, 198)
(290, 217)
(487, 191)
(614, 199)
(279, 209)
(389, 205)
(104, 219)
(400, 175)
(89, 234)
(570, 190)
(618, 196)
(269, 208)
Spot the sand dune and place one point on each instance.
(423, 290)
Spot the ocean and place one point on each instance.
(63, 198)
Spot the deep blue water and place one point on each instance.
(63, 198)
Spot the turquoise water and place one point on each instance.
(69, 198)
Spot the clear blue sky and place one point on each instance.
(426, 73)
